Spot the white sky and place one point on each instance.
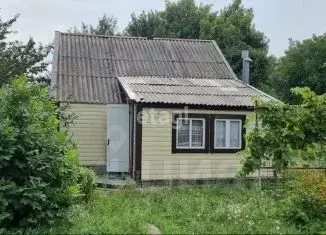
(278, 19)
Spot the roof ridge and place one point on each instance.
(173, 77)
(100, 35)
(183, 85)
(183, 39)
(189, 93)
(131, 37)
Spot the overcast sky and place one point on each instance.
(278, 19)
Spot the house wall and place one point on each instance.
(90, 132)
(158, 162)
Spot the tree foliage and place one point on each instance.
(286, 132)
(147, 24)
(180, 19)
(40, 175)
(106, 25)
(234, 31)
(302, 65)
(17, 58)
(232, 28)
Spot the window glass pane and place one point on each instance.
(197, 138)
(183, 133)
(235, 134)
(220, 128)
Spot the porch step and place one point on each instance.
(113, 181)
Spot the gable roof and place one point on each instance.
(190, 91)
(85, 67)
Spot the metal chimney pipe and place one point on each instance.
(245, 66)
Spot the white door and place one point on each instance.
(118, 138)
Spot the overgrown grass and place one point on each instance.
(209, 209)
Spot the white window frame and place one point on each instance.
(190, 133)
(227, 133)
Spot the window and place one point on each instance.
(190, 133)
(207, 133)
(227, 134)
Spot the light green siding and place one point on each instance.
(158, 162)
(90, 132)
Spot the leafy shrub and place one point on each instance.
(39, 172)
(86, 182)
(285, 133)
(306, 197)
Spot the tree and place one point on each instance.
(232, 28)
(17, 58)
(150, 24)
(106, 25)
(302, 65)
(180, 19)
(40, 175)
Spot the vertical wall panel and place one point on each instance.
(89, 131)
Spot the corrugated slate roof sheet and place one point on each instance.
(190, 91)
(85, 67)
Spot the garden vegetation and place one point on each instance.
(217, 209)
(292, 136)
(40, 177)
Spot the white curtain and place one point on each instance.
(220, 132)
(197, 137)
(234, 134)
(183, 133)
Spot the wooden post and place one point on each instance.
(256, 126)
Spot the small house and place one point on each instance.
(157, 109)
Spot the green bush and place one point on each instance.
(40, 176)
(86, 182)
(306, 198)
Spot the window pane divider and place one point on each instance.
(227, 133)
(190, 133)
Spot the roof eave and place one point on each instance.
(196, 106)
(130, 94)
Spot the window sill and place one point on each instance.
(190, 151)
(225, 150)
